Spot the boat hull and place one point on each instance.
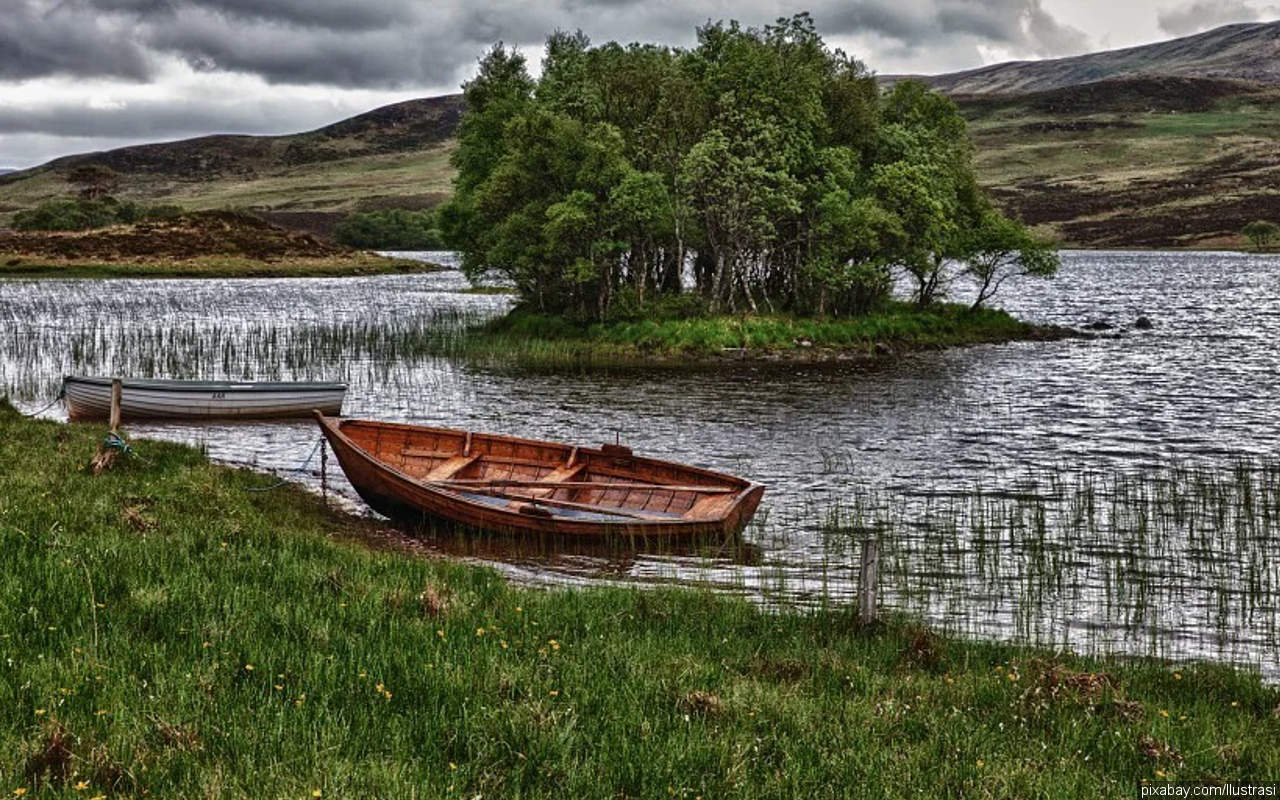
(394, 492)
(90, 399)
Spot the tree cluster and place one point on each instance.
(760, 169)
(79, 214)
(390, 229)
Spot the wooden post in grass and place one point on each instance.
(107, 453)
(868, 577)
(117, 389)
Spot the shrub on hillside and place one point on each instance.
(1262, 233)
(78, 214)
(391, 229)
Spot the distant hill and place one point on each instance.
(1247, 52)
(397, 155)
(1170, 144)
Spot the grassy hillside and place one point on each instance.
(1146, 162)
(395, 156)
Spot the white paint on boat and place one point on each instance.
(90, 398)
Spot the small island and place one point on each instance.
(758, 194)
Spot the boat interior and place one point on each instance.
(547, 479)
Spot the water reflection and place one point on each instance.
(904, 443)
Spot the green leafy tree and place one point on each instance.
(1261, 233)
(998, 248)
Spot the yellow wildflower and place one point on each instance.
(20, 791)
(479, 631)
(82, 785)
(248, 667)
(316, 792)
(1164, 713)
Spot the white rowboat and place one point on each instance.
(90, 398)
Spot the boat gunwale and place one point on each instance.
(743, 483)
(175, 385)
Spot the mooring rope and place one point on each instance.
(61, 394)
(115, 441)
(300, 468)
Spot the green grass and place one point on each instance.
(165, 632)
(17, 265)
(534, 338)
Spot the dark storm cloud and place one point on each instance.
(395, 43)
(282, 52)
(39, 39)
(1202, 15)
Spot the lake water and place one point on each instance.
(973, 463)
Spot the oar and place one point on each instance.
(653, 487)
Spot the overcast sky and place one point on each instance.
(80, 75)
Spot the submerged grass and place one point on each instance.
(358, 263)
(534, 338)
(164, 632)
(1177, 560)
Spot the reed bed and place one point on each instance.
(1181, 561)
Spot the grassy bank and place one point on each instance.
(165, 632)
(545, 339)
(16, 265)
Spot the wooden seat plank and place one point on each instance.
(450, 467)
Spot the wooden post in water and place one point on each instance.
(868, 578)
(117, 389)
(324, 473)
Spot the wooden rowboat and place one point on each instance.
(522, 486)
(90, 398)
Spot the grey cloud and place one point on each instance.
(282, 53)
(1202, 15)
(38, 39)
(413, 43)
(167, 119)
(1052, 38)
(1021, 25)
